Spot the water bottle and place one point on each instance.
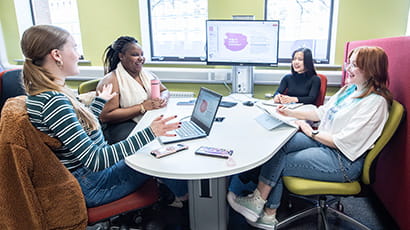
(155, 89)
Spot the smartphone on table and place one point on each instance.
(214, 152)
(167, 150)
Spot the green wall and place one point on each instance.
(369, 19)
(10, 31)
(102, 21)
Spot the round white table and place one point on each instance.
(252, 145)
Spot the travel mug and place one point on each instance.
(155, 89)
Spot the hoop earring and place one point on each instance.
(59, 64)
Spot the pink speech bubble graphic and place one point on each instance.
(235, 41)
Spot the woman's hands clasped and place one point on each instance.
(161, 127)
(285, 99)
(156, 103)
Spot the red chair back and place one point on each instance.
(145, 196)
(322, 92)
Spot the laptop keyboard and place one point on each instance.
(188, 129)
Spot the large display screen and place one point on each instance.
(242, 42)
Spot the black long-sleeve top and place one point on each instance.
(305, 88)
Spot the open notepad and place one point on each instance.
(271, 119)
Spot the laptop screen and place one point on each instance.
(205, 108)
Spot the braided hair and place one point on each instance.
(111, 58)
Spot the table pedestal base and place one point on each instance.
(207, 204)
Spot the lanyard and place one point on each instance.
(331, 113)
(351, 89)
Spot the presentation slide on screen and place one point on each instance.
(243, 42)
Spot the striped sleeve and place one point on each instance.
(97, 106)
(60, 117)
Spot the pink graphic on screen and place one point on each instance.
(235, 41)
(204, 106)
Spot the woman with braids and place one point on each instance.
(50, 56)
(123, 68)
(333, 152)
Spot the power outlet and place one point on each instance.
(242, 79)
(242, 84)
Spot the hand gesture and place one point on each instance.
(160, 127)
(106, 92)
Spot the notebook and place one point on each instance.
(290, 105)
(271, 119)
(202, 118)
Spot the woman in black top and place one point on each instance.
(303, 85)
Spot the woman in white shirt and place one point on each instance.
(333, 152)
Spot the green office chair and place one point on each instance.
(319, 189)
(88, 86)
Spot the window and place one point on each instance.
(177, 30)
(303, 23)
(408, 24)
(62, 13)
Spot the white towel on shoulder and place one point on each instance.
(131, 92)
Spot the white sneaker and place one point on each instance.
(267, 222)
(250, 206)
(177, 203)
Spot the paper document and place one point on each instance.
(290, 106)
(273, 113)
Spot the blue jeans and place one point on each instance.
(304, 157)
(116, 182)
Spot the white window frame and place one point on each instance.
(146, 40)
(332, 42)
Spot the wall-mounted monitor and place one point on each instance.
(242, 42)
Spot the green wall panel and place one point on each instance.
(102, 21)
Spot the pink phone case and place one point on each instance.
(167, 150)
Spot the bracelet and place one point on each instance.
(142, 109)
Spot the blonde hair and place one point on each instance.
(373, 61)
(37, 42)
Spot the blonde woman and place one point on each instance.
(50, 56)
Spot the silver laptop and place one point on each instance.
(202, 118)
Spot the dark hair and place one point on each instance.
(307, 61)
(111, 58)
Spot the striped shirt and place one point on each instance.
(52, 113)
